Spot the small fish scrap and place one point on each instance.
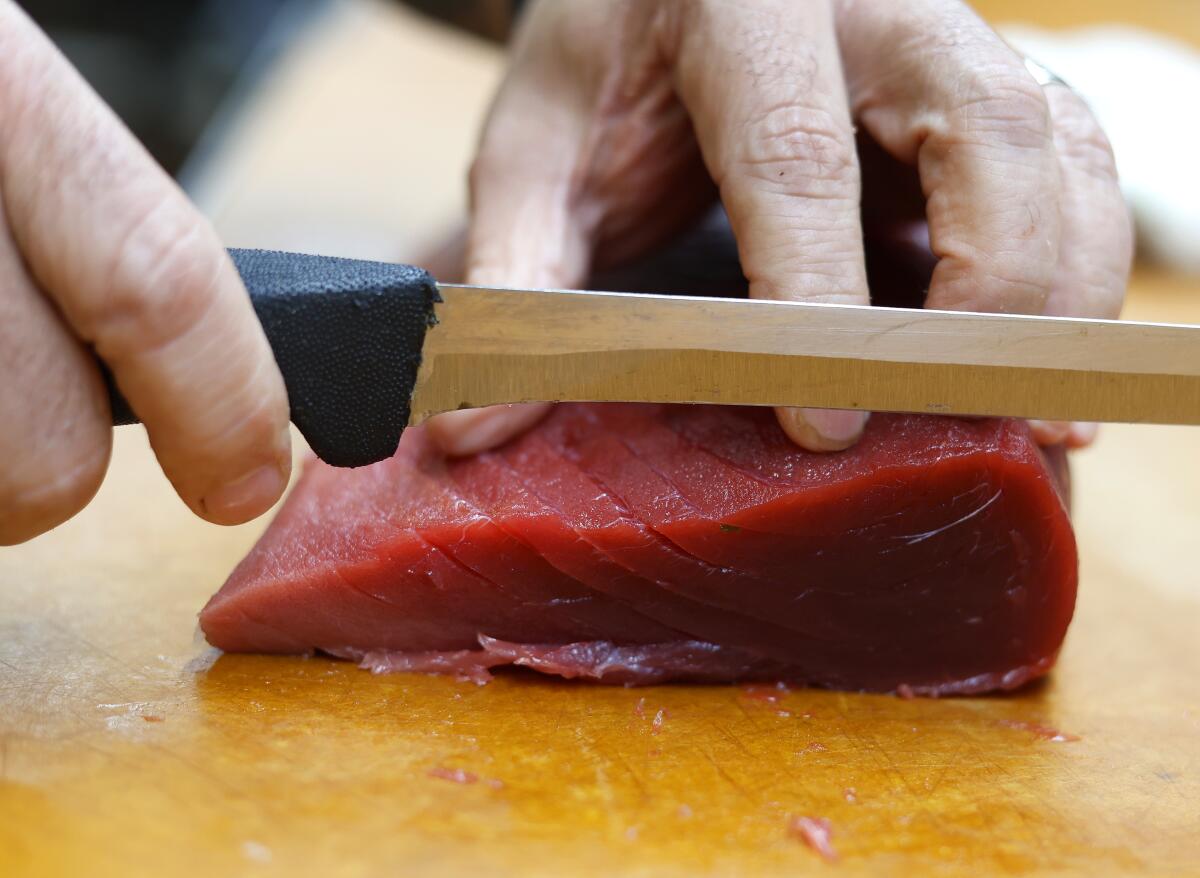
(816, 833)
(460, 775)
(455, 775)
(766, 694)
(659, 718)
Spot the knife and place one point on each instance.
(368, 348)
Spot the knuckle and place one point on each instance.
(162, 280)
(1081, 142)
(988, 280)
(799, 150)
(994, 290)
(1004, 103)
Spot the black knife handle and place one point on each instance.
(347, 336)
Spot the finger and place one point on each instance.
(1096, 248)
(1050, 432)
(937, 88)
(526, 228)
(764, 87)
(57, 429)
(138, 274)
(471, 431)
(1082, 434)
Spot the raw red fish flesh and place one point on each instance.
(646, 543)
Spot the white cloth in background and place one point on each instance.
(1145, 90)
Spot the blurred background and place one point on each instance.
(166, 67)
(346, 125)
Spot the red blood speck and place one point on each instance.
(1040, 731)
(456, 775)
(850, 795)
(816, 833)
(639, 709)
(906, 692)
(659, 718)
(151, 718)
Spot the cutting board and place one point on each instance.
(127, 746)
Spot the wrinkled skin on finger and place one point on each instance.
(619, 123)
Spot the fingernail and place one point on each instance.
(453, 431)
(246, 496)
(829, 429)
(1050, 432)
(470, 431)
(1083, 433)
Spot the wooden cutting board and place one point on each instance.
(129, 747)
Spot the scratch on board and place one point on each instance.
(733, 739)
(634, 776)
(603, 783)
(727, 777)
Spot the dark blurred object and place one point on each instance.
(164, 66)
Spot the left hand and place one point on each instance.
(617, 117)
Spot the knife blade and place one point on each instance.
(369, 348)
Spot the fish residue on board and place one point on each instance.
(767, 694)
(462, 776)
(1045, 733)
(455, 775)
(257, 851)
(815, 832)
(656, 724)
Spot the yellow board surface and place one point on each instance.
(128, 747)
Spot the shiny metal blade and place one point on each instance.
(497, 346)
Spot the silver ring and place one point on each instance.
(1043, 76)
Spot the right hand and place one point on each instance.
(101, 254)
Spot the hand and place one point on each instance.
(618, 116)
(101, 254)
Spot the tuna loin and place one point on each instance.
(643, 543)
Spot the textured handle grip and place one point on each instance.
(347, 336)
